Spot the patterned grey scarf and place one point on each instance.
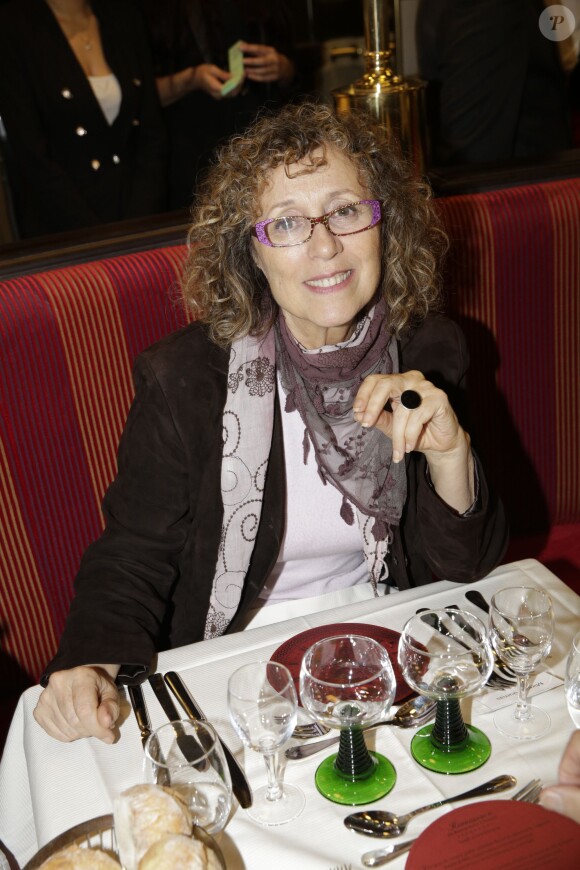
(358, 462)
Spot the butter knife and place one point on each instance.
(191, 749)
(137, 699)
(240, 784)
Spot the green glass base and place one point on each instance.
(334, 786)
(469, 755)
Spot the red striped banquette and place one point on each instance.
(68, 338)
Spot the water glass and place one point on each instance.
(262, 705)
(572, 683)
(521, 625)
(187, 756)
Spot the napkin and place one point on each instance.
(493, 699)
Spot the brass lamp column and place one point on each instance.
(397, 103)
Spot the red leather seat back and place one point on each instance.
(513, 281)
(67, 342)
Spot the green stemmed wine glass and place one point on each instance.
(347, 682)
(446, 655)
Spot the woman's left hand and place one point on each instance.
(262, 63)
(432, 428)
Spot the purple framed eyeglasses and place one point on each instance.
(346, 220)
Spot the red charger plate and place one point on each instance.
(291, 652)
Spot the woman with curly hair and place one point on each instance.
(297, 441)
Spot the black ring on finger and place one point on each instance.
(410, 399)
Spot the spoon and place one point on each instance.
(475, 596)
(377, 823)
(529, 794)
(416, 711)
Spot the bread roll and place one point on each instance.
(143, 814)
(77, 858)
(178, 852)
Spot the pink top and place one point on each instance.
(320, 553)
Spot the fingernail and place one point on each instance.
(552, 800)
(396, 456)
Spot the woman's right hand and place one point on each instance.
(564, 797)
(209, 78)
(80, 702)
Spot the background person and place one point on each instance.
(190, 41)
(497, 89)
(564, 797)
(273, 456)
(85, 135)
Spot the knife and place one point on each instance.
(191, 749)
(435, 622)
(137, 699)
(240, 785)
(462, 623)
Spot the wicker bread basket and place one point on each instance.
(100, 833)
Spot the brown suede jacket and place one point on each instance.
(145, 584)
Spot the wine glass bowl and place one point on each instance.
(262, 705)
(572, 683)
(347, 682)
(187, 756)
(521, 621)
(446, 655)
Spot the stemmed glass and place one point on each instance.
(262, 705)
(572, 683)
(446, 655)
(521, 623)
(347, 682)
(187, 756)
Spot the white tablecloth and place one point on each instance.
(46, 787)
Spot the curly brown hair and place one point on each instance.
(223, 286)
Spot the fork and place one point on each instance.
(505, 670)
(500, 676)
(309, 729)
(342, 867)
(496, 681)
(530, 793)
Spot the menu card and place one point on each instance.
(498, 834)
(236, 65)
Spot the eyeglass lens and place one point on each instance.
(294, 229)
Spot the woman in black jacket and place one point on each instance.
(300, 439)
(85, 134)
